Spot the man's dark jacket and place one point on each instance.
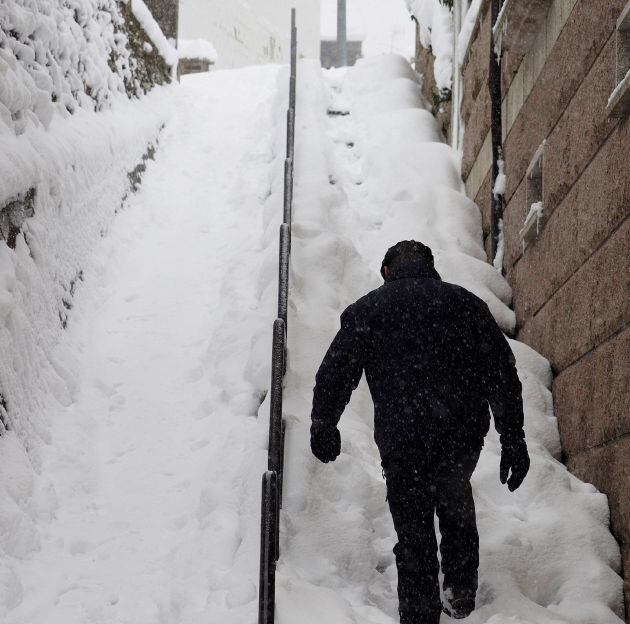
(434, 359)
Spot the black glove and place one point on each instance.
(326, 444)
(514, 457)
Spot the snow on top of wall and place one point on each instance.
(147, 21)
(70, 134)
(468, 27)
(197, 48)
(57, 58)
(436, 32)
(54, 58)
(355, 26)
(80, 168)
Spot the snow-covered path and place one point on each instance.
(146, 508)
(134, 448)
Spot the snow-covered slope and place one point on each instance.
(147, 506)
(364, 182)
(76, 130)
(57, 57)
(72, 144)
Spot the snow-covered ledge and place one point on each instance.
(619, 100)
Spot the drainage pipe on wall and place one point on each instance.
(494, 83)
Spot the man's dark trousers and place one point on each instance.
(419, 483)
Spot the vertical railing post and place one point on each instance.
(268, 542)
(288, 190)
(275, 408)
(290, 132)
(283, 273)
(293, 61)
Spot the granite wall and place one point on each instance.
(572, 283)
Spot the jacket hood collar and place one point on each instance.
(413, 268)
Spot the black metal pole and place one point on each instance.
(283, 273)
(293, 43)
(290, 131)
(268, 541)
(288, 190)
(275, 408)
(342, 42)
(494, 84)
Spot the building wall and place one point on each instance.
(572, 284)
(328, 55)
(253, 32)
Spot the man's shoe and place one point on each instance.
(458, 604)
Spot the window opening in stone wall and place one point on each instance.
(619, 101)
(533, 198)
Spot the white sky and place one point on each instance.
(384, 24)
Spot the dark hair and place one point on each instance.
(404, 251)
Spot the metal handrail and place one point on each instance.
(268, 545)
(271, 499)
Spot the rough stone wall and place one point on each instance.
(192, 66)
(440, 106)
(135, 66)
(150, 67)
(166, 14)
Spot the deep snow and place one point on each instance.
(147, 506)
(146, 480)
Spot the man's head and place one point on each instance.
(405, 251)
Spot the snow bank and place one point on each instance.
(198, 49)
(56, 58)
(79, 169)
(436, 32)
(363, 183)
(157, 456)
(71, 138)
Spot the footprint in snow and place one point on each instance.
(194, 375)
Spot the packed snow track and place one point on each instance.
(149, 458)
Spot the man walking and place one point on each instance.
(434, 360)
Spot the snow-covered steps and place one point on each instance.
(363, 182)
(146, 508)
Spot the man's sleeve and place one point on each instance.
(338, 375)
(502, 385)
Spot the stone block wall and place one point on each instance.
(572, 284)
(475, 114)
(166, 14)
